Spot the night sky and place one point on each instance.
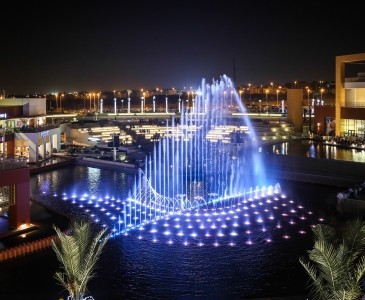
(50, 46)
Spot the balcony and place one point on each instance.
(352, 104)
(9, 162)
(30, 129)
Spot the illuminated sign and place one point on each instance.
(3, 116)
(44, 133)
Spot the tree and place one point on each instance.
(336, 264)
(78, 253)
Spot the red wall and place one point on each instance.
(20, 212)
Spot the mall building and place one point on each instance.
(23, 130)
(347, 117)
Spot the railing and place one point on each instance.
(355, 79)
(352, 104)
(9, 162)
(27, 129)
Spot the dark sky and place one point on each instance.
(56, 46)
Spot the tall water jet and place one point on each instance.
(205, 152)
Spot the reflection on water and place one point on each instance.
(242, 251)
(315, 149)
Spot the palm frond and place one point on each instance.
(78, 254)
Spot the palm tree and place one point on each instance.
(78, 253)
(336, 264)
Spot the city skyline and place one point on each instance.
(89, 46)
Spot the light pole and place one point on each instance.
(122, 105)
(321, 94)
(260, 107)
(129, 100)
(308, 96)
(154, 104)
(94, 101)
(84, 102)
(272, 87)
(249, 87)
(97, 103)
(295, 84)
(90, 101)
(277, 98)
(115, 105)
(61, 102)
(56, 101)
(267, 106)
(144, 101)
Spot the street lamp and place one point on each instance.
(295, 84)
(321, 94)
(90, 100)
(122, 106)
(249, 87)
(277, 98)
(272, 87)
(308, 96)
(97, 103)
(267, 103)
(260, 107)
(56, 101)
(144, 101)
(94, 100)
(61, 102)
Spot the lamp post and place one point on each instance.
(97, 103)
(84, 103)
(90, 101)
(277, 98)
(144, 101)
(141, 104)
(122, 105)
(154, 104)
(94, 101)
(260, 107)
(249, 87)
(272, 87)
(115, 105)
(267, 103)
(321, 94)
(56, 101)
(61, 102)
(308, 97)
(295, 84)
(129, 100)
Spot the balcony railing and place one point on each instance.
(9, 162)
(352, 104)
(28, 129)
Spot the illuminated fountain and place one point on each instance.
(204, 182)
(203, 161)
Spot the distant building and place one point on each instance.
(23, 129)
(347, 117)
